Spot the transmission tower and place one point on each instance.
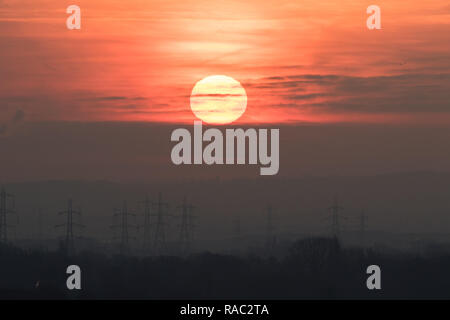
(7, 207)
(124, 226)
(362, 227)
(236, 229)
(159, 240)
(186, 227)
(69, 242)
(147, 240)
(270, 231)
(39, 233)
(335, 218)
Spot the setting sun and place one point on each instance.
(218, 99)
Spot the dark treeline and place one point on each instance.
(314, 268)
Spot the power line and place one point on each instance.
(186, 227)
(7, 207)
(236, 230)
(39, 227)
(363, 227)
(147, 240)
(336, 218)
(159, 240)
(69, 225)
(270, 231)
(124, 226)
(237, 227)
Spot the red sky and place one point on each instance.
(299, 61)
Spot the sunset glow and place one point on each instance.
(307, 61)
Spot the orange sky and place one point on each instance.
(298, 61)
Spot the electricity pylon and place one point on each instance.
(124, 226)
(7, 206)
(69, 242)
(186, 227)
(147, 240)
(270, 233)
(362, 228)
(336, 218)
(237, 233)
(39, 233)
(159, 239)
